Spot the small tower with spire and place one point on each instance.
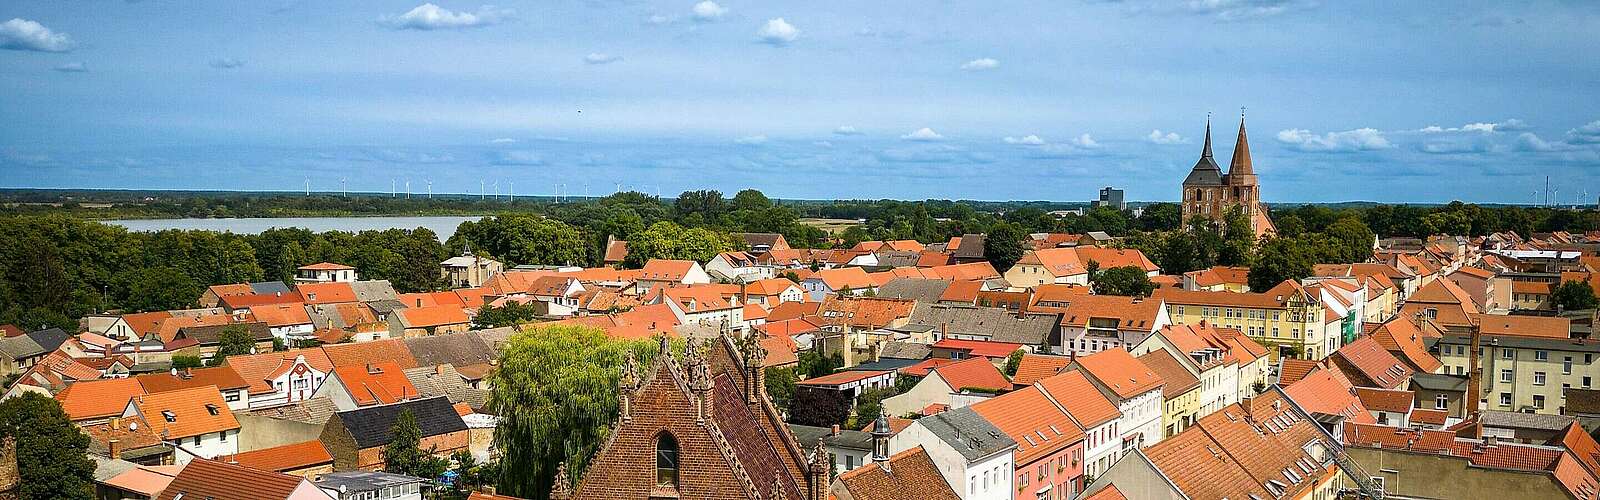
(1209, 192)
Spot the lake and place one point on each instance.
(443, 225)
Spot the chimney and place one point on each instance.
(834, 431)
(438, 369)
(114, 448)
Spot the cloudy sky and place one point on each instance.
(1346, 100)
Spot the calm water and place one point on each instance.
(443, 225)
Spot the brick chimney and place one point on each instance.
(1474, 377)
(114, 448)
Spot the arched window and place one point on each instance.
(666, 460)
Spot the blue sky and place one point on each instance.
(1348, 100)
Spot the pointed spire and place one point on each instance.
(1206, 153)
(1240, 166)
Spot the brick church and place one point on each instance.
(699, 427)
(1208, 192)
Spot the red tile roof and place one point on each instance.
(186, 412)
(209, 479)
(921, 368)
(1033, 421)
(1177, 380)
(792, 310)
(1110, 492)
(844, 278)
(284, 458)
(1108, 258)
(1291, 370)
(1078, 396)
(1321, 392)
(1121, 372)
(376, 383)
(235, 302)
(974, 373)
(1374, 363)
(326, 293)
(275, 315)
(224, 378)
(978, 347)
(92, 399)
(1395, 401)
(1429, 416)
(377, 351)
(841, 378)
(911, 475)
(256, 369)
(325, 266)
(433, 316)
(666, 270)
(1131, 313)
(1404, 340)
(1036, 367)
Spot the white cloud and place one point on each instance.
(751, 140)
(1238, 10)
(1027, 140)
(76, 67)
(516, 158)
(1587, 134)
(601, 58)
(22, 34)
(1532, 143)
(980, 64)
(1086, 142)
(922, 134)
(778, 32)
(709, 11)
(846, 130)
(226, 63)
(1158, 137)
(502, 140)
(427, 17)
(1361, 139)
(825, 144)
(1511, 125)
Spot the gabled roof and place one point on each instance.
(373, 426)
(283, 458)
(973, 373)
(1322, 392)
(1403, 339)
(224, 378)
(213, 480)
(1374, 363)
(92, 399)
(792, 310)
(1220, 275)
(912, 475)
(1260, 448)
(918, 289)
(257, 369)
(186, 412)
(667, 270)
(1078, 396)
(286, 314)
(841, 378)
(1032, 420)
(1395, 401)
(1108, 258)
(1176, 378)
(1131, 313)
(425, 317)
(868, 312)
(1059, 262)
(377, 351)
(996, 324)
(844, 278)
(1291, 370)
(968, 433)
(978, 347)
(376, 383)
(1036, 367)
(326, 293)
(1120, 372)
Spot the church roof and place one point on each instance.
(1241, 154)
(1205, 172)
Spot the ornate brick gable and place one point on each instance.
(732, 444)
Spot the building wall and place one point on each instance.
(1296, 325)
(257, 432)
(1526, 368)
(211, 445)
(965, 478)
(1433, 476)
(1179, 412)
(1102, 446)
(1058, 475)
(443, 445)
(930, 390)
(1141, 419)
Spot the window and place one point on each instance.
(196, 440)
(1538, 401)
(1441, 402)
(1506, 354)
(1538, 378)
(1505, 399)
(233, 396)
(1566, 366)
(1586, 382)
(1541, 355)
(1505, 376)
(666, 460)
(223, 436)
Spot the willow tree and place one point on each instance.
(555, 390)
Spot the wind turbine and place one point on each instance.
(430, 189)
(393, 191)
(408, 189)
(308, 186)
(344, 187)
(483, 192)
(497, 190)
(513, 191)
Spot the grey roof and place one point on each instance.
(325, 316)
(49, 339)
(1439, 382)
(967, 432)
(315, 411)
(998, 324)
(1205, 171)
(107, 468)
(374, 290)
(918, 289)
(898, 258)
(386, 306)
(466, 348)
(1522, 342)
(905, 350)
(754, 240)
(847, 439)
(444, 380)
(211, 334)
(373, 426)
(359, 481)
(496, 337)
(20, 347)
(1519, 420)
(268, 287)
(971, 247)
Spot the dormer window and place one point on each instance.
(169, 415)
(666, 460)
(212, 409)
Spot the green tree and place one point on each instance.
(751, 199)
(512, 313)
(404, 453)
(1161, 217)
(291, 257)
(870, 404)
(185, 361)
(467, 471)
(707, 204)
(1013, 361)
(1351, 240)
(1002, 247)
(1281, 259)
(819, 407)
(780, 386)
(555, 390)
(1125, 280)
(52, 454)
(666, 240)
(1574, 295)
(159, 289)
(234, 340)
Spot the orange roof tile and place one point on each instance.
(1121, 372)
(781, 350)
(145, 323)
(1374, 363)
(425, 317)
(209, 479)
(973, 373)
(1322, 392)
(1036, 367)
(1059, 262)
(1291, 370)
(1032, 420)
(962, 291)
(911, 475)
(844, 278)
(376, 383)
(864, 312)
(326, 293)
(1108, 258)
(1051, 292)
(186, 412)
(1403, 339)
(284, 458)
(792, 310)
(92, 399)
(1396, 401)
(1221, 275)
(257, 369)
(1073, 391)
(1525, 326)
(921, 368)
(224, 378)
(666, 270)
(841, 378)
(1131, 313)
(275, 315)
(1110, 492)
(1176, 379)
(984, 348)
(1429, 416)
(377, 351)
(145, 480)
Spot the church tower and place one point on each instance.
(1208, 192)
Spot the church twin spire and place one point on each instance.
(1240, 166)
